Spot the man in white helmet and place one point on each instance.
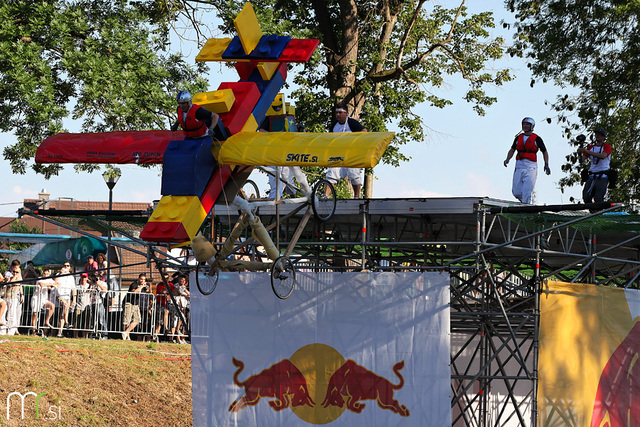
(196, 121)
(526, 144)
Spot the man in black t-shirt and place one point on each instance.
(344, 123)
(131, 317)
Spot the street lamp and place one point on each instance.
(111, 178)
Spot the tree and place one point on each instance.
(20, 227)
(381, 58)
(105, 64)
(593, 48)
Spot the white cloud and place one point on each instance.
(19, 193)
(146, 196)
(484, 185)
(419, 193)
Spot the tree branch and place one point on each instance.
(398, 71)
(390, 20)
(455, 20)
(324, 20)
(405, 36)
(401, 69)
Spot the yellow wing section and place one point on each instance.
(354, 150)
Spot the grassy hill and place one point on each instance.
(95, 383)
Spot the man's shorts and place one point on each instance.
(336, 174)
(131, 314)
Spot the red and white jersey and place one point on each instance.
(599, 165)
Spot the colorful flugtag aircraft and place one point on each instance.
(199, 173)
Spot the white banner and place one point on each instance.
(348, 349)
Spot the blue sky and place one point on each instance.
(461, 157)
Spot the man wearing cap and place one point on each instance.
(527, 144)
(344, 123)
(600, 156)
(196, 121)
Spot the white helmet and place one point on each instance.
(529, 120)
(184, 96)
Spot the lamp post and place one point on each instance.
(111, 178)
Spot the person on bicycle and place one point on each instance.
(196, 121)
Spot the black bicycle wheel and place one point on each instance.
(250, 190)
(206, 278)
(323, 200)
(283, 277)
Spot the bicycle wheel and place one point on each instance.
(283, 277)
(206, 278)
(250, 190)
(323, 200)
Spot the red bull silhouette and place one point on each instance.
(352, 383)
(616, 402)
(282, 381)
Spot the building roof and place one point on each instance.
(136, 262)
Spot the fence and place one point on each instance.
(97, 314)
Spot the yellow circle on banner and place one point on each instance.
(317, 362)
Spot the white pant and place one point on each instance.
(13, 315)
(336, 174)
(3, 319)
(524, 180)
(286, 177)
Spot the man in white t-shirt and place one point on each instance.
(66, 287)
(599, 155)
(40, 300)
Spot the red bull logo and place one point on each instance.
(616, 402)
(282, 382)
(318, 373)
(353, 383)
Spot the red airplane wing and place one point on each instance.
(107, 147)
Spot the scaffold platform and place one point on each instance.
(432, 232)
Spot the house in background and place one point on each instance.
(126, 264)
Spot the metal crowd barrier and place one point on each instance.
(98, 315)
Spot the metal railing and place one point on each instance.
(95, 314)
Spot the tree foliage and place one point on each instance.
(382, 58)
(105, 64)
(21, 227)
(592, 46)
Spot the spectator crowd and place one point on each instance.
(89, 303)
